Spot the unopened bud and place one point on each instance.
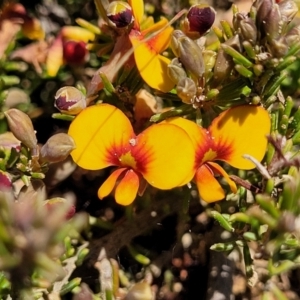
(57, 148)
(74, 52)
(186, 90)
(279, 48)
(293, 36)
(176, 71)
(288, 10)
(198, 21)
(21, 126)
(272, 23)
(119, 14)
(209, 58)
(247, 28)
(57, 203)
(69, 100)
(263, 10)
(9, 141)
(5, 181)
(140, 290)
(188, 52)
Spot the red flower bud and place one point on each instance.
(74, 52)
(198, 21)
(120, 14)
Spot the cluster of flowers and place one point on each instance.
(169, 154)
(176, 151)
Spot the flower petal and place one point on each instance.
(209, 188)
(109, 184)
(138, 11)
(101, 134)
(77, 34)
(165, 156)
(152, 66)
(241, 130)
(127, 188)
(55, 57)
(197, 134)
(218, 169)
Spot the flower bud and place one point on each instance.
(61, 203)
(21, 126)
(140, 290)
(69, 100)
(293, 36)
(247, 28)
(74, 52)
(119, 14)
(176, 71)
(288, 10)
(209, 58)
(9, 141)
(279, 48)
(188, 52)
(263, 9)
(272, 24)
(186, 90)
(57, 148)
(198, 21)
(223, 66)
(5, 181)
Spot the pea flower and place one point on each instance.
(153, 67)
(150, 63)
(104, 137)
(237, 131)
(69, 47)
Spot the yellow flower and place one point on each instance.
(237, 131)
(150, 63)
(162, 155)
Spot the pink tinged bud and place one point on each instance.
(120, 14)
(74, 52)
(21, 126)
(5, 181)
(56, 203)
(199, 20)
(14, 11)
(57, 148)
(69, 100)
(9, 141)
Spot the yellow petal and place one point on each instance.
(241, 130)
(165, 156)
(77, 34)
(55, 57)
(101, 133)
(197, 134)
(218, 169)
(138, 10)
(127, 188)
(152, 66)
(32, 29)
(160, 41)
(209, 188)
(109, 184)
